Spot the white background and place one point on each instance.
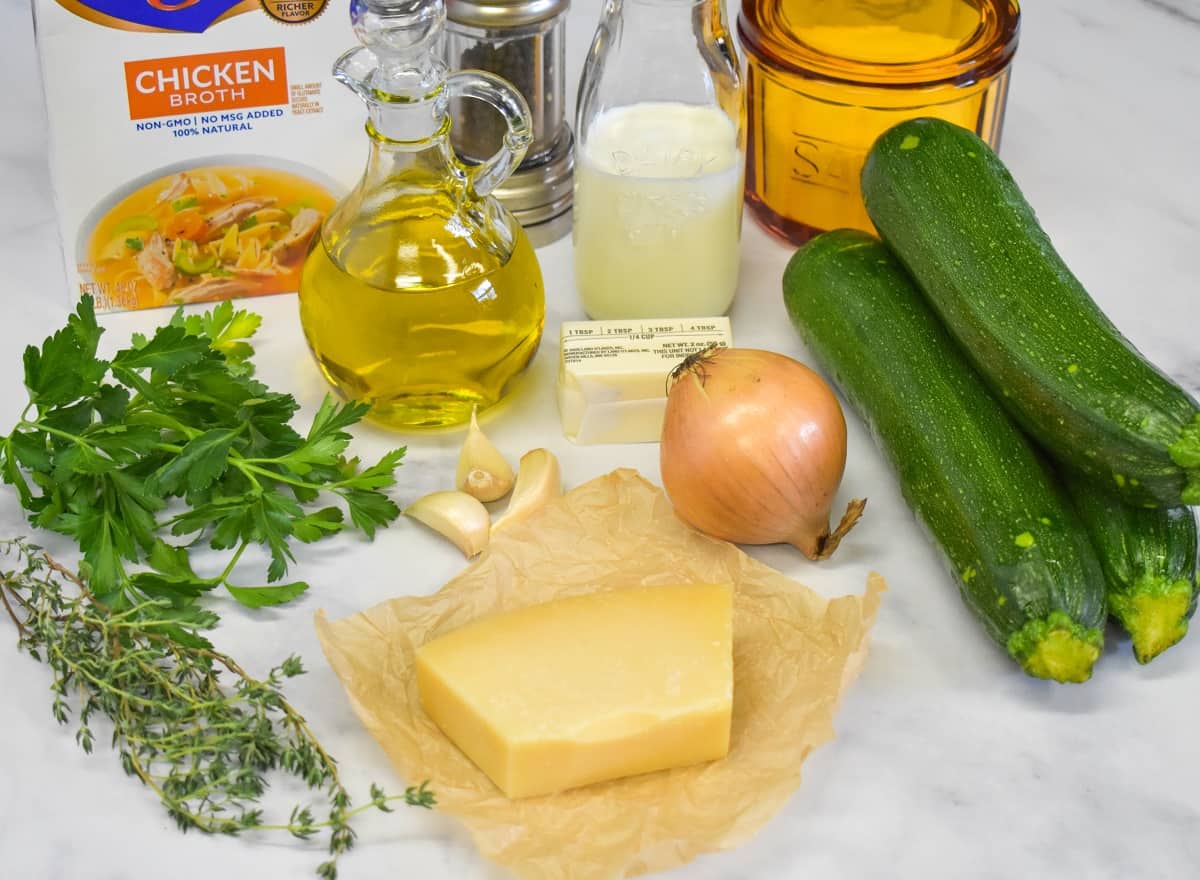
(948, 761)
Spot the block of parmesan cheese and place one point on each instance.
(588, 688)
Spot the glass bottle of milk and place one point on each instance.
(659, 162)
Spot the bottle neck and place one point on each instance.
(401, 120)
(422, 163)
(400, 177)
(674, 51)
(662, 28)
(406, 99)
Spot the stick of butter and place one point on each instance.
(587, 688)
(612, 375)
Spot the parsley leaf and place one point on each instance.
(174, 437)
(169, 560)
(261, 597)
(10, 470)
(66, 366)
(170, 349)
(203, 459)
(316, 526)
(327, 438)
(369, 510)
(226, 331)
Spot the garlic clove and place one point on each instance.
(457, 516)
(539, 480)
(482, 471)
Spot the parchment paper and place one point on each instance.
(794, 655)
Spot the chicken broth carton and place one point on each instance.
(195, 145)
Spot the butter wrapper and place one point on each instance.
(795, 653)
(612, 375)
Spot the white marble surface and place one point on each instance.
(948, 762)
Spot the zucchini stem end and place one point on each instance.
(1154, 613)
(1057, 648)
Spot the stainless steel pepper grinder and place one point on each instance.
(523, 41)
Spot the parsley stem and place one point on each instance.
(83, 441)
(39, 426)
(246, 467)
(250, 464)
(224, 577)
(173, 435)
(153, 416)
(140, 403)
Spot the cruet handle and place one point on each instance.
(483, 86)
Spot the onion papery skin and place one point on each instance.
(753, 448)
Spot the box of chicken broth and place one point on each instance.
(196, 145)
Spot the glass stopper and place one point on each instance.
(402, 37)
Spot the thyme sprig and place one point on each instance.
(203, 745)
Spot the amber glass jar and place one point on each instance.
(826, 77)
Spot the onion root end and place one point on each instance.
(821, 546)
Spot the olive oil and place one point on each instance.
(417, 316)
(423, 296)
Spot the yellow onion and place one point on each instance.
(753, 450)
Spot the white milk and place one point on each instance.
(658, 207)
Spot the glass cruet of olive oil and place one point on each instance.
(423, 297)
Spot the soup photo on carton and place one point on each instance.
(196, 145)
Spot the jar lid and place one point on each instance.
(884, 42)
(503, 13)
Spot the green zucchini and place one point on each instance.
(950, 210)
(1149, 562)
(1014, 544)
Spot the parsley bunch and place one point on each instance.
(187, 720)
(173, 436)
